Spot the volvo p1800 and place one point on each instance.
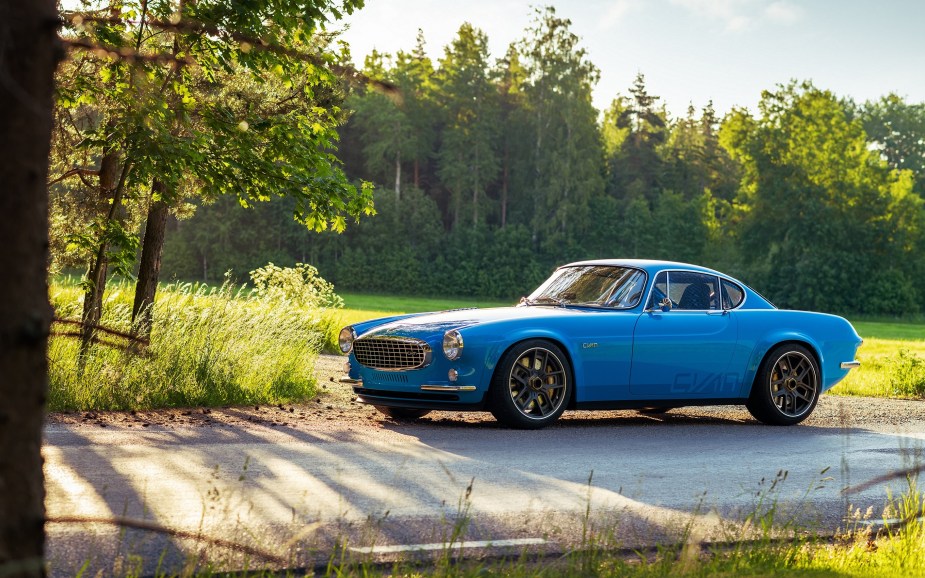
(605, 334)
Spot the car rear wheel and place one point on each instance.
(402, 413)
(531, 386)
(786, 387)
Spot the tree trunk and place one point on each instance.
(149, 270)
(398, 175)
(504, 181)
(28, 53)
(475, 192)
(95, 284)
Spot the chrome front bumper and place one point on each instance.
(850, 364)
(427, 387)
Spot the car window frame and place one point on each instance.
(720, 278)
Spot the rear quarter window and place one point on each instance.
(733, 295)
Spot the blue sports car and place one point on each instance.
(605, 334)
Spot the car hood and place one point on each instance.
(430, 326)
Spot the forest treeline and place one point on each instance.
(490, 172)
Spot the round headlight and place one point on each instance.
(345, 339)
(452, 345)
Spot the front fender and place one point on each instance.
(498, 348)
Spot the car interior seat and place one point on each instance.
(695, 296)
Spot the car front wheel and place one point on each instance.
(786, 387)
(402, 413)
(531, 386)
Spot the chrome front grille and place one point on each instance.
(392, 353)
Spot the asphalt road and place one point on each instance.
(298, 488)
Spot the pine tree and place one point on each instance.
(566, 157)
(468, 152)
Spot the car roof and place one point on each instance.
(653, 266)
(649, 265)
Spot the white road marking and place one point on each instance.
(441, 546)
(891, 521)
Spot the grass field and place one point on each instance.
(892, 357)
(358, 307)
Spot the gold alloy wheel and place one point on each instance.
(538, 383)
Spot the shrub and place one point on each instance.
(301, 284)
(889, 293)
(907, 374)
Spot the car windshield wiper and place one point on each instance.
(544, 299)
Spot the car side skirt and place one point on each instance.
(644, 403)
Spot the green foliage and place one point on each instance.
(209, 347)
(300, 284)
(390, 304)
(396, 129)
(562, 140)
(907, 374)
(811, 200)
(820, 206)
(468, 156)
(405, 251)
(889, 293)
(897, 129)
(637, 165)
(210, 116)
(122, 244)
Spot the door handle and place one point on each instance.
(716, 312)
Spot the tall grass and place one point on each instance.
(210, 346)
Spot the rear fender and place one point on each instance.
(769, 342)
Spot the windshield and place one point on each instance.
(594, 285)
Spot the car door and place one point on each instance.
(683, 351)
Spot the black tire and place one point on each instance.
(402, 413)
(531, 386)
(786, 386)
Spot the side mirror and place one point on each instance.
(665, 304)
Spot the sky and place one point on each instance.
(690, 51)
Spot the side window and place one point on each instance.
(659, 290)
(693, 291)
(733, 295)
